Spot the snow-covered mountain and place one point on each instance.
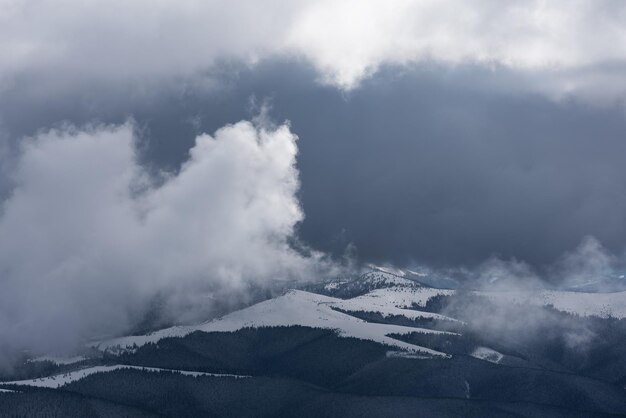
(381, 291)
(335, 334)
(307, 309)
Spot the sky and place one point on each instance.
(169, 150)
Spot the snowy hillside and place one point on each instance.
(376, 278)
(602, 305)
(298, 308)
(381, 334)
(57, 381)
(388, 294)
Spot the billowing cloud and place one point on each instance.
(452, 170)
(528, 35)
(87, 241)
(590, 266)
(559, 48)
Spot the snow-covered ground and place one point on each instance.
(389, 270)
(390, 294)
(400, 297)
(487, 354)
(385, 278)
(293, 308)
(364, 304)
(584, 304)
(378, 277)
(59, 380)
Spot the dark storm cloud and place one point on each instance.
(427, 164)
(345, 40)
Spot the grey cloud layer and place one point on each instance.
(428, 164)
(562, 47)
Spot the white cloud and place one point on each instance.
(562, 46)
(349, 39)
(86, 241)
(588, 263)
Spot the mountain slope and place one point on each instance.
(294, 308)
(380, 339)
